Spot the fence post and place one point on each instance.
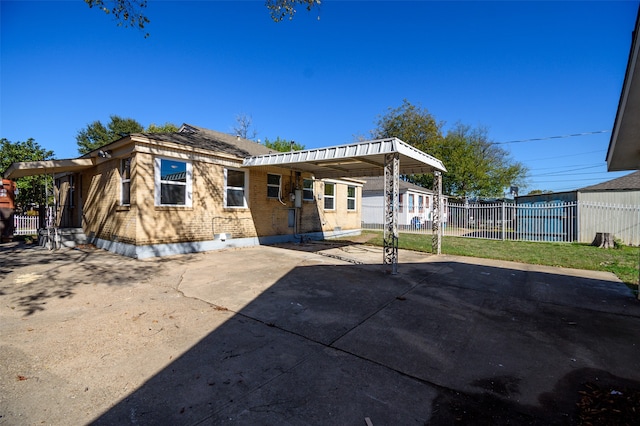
(503, 220)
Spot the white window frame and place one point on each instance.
(124, 180)
(245, 189)
(306, 190)
(271, 185)
(354, 199)
(188, 202)
(330, 197)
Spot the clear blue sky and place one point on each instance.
(524, 70)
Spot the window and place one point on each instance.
(410, 203)
(273, 186)
(125, 181)
(172, 182)
(329, 196)
(307, 189)
(420, 204)
(351, 197)
(235, 193)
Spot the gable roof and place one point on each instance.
(628, 182)
(376, 183)
(250, 148)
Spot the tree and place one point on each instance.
(280, 9)
(165, 128)
(475, 165)
(96, 135)
(412, 124)
(129, 13)
(243, 127)
(539, 192)
(31, 189)
(282, 145)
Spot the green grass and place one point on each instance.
(622, 261)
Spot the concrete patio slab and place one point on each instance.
(305, 334)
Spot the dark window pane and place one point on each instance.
(273, 191)
(351, 191)
(235, 178)
(126, 193)
(351, 204)
(273, 179)
(235, 197)
(328, 203)
(172, 194)
(328, 189)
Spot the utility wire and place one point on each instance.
(552, 137)
(567, 155)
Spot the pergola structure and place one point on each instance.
(388, 157)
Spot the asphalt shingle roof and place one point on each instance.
(247, 146)
(627, 182)
(199, 141)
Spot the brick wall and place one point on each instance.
(144, 223)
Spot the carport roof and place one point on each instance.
(352, 160)
(30, 168)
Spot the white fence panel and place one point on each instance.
(25, 225)
(559, 222)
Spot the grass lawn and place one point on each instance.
(622, 261)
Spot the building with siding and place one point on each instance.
(415, 203)
(612, 206)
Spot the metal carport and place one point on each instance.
(387, 157)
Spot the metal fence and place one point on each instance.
(560, 222)
(25, 225)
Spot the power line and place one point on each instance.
(552, 137)
(568, 155)
(569, 171)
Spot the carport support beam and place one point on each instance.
(436, 241)
(391, 183)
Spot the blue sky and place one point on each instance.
(525, 70)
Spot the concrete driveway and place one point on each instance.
(305, 334)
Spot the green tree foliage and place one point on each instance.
(96, 134)
(130, 13)
(282, 145)
(539, 192)
(165, 128)
(127, 13)
(475, 165)
(31, 189)
(281, 9)
(412, 124)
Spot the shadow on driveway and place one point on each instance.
(443, 342)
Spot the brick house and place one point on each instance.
(150, 195)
